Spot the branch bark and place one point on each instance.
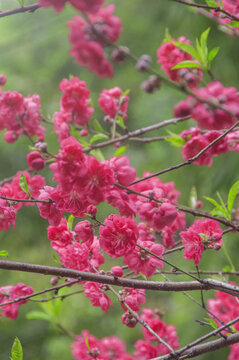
(24, 9)
(204, 284)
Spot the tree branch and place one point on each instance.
(204, 284)
(30, 8)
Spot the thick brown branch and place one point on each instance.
(204, 348)
(205, 284)
(24, 9)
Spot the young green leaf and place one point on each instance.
(3, 253)
(186, 64)
(70, 222)
(120, 122)
(39, 315)
(55, 258)
(21, 2)
(189, 49)
(97, 126)
(212, 54)
(167, 36)
(16, 353)
(193, 198)
(120, 151)
(211, 322)
(234, 23)
(232, 196)
(97, 137)
(175, 139)
(212, 3)
(98, 154)
(203, 45)
(23, 184)
(87, 343)
(82, 140)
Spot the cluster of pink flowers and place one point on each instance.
(113, 101)
(78, 249)
(230, 6)
(203, 234)
(195, 141)
(118, 236)
(8, 209)
(88, 347)
(88, 40)
(9, 293)
(20, 116)
(96, 293)
(170, 55)
(147, 349)
(162, 217)
(209, 116)
(74, 107)
(226, 308)
(86, 6)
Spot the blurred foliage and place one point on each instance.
(34, 56)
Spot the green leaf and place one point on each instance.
(21, 2)
(143, 276)
(211, 322)
(218, 210)
(175, 139)
(40, 315)
(212, 201)
(234, 23)
(203, 236)
(167, 36)
(32, 148)
(3, 253)
(227, 268)
(212, 3)
(97, 137)
(87, 343)
(232, 196)
(120, 121)
(98, 154)
(16, 353)
(212, 54)
(23, 184)
(221, 4)
(186, 64)
(193, 198)
(203, 44)
(189, 49)
(97, 126)
(120, 151)
(70, 222)
(82, 140)
(126, 92)
(55, 258)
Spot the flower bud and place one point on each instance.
(84, 132)
(3, 79)
(41, 146)
(120, 54)
(35, 161)
(117, 271)
(143, 63)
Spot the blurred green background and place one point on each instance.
(34, 56)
